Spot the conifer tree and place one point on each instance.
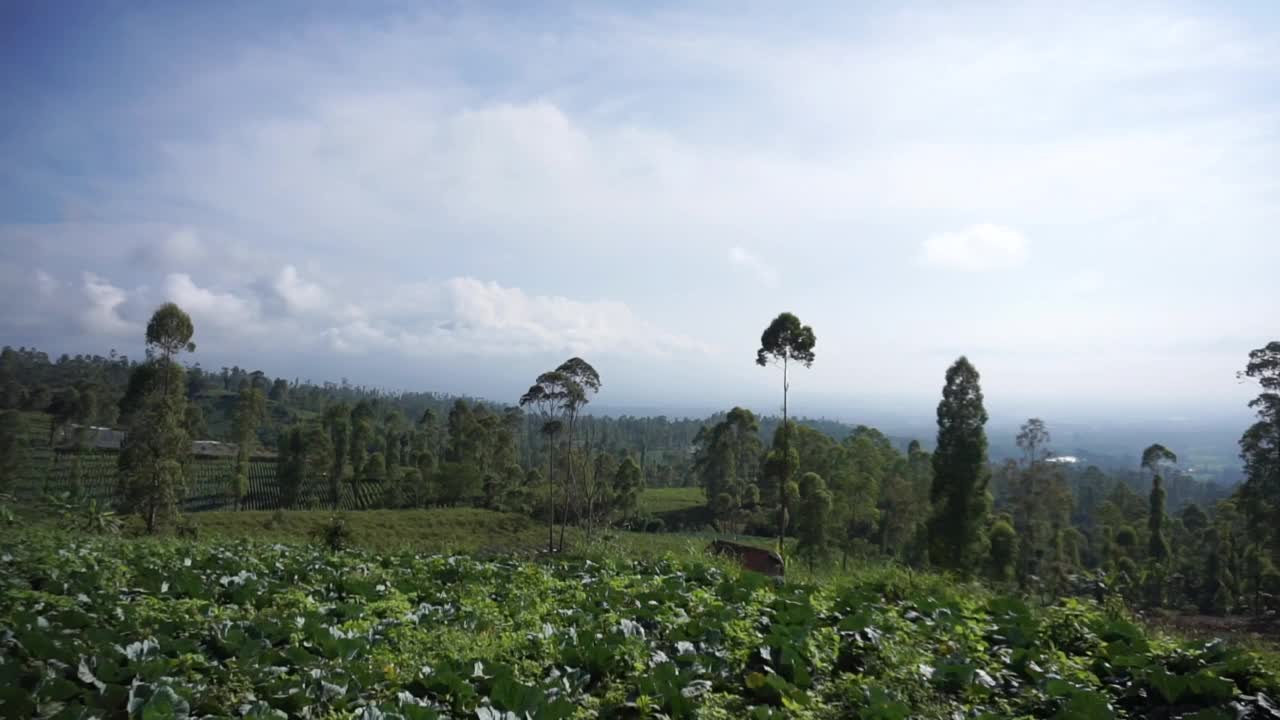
(960, 472)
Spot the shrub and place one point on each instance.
(334, 534)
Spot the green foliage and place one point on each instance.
(1260, 444)
(785, 341)
(170, 330)
(152, 460)
(960, 472)
(627, 484)
(14, 452)
(1004, 551)
(814, 531)
(182, 629)
(84, 514)
(726, 461)
(335, 534)
(1158, 549)
(776, 475)
(1156, 454)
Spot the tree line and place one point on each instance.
(1031, 521)
(1044, 525)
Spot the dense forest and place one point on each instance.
(832, 492)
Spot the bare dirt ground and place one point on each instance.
(1249, 629)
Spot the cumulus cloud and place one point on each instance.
(976, 248)
(468, 316)
(223, 310)
(299, 295)
(762, 271)
(102, 316)
(461, 316)
(685, 135)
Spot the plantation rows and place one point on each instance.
(173, 630)
(209, 482)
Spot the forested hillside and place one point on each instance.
(826, 492)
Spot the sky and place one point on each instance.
(1081, 198)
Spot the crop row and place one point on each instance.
(209, 482)
(110, 627)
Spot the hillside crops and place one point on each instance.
(160, 630)
(209, 482)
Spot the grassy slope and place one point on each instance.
(464, 530)
(656, 501)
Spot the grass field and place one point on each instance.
(657, 501)
(472, 531)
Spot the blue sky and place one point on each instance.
(454, 197)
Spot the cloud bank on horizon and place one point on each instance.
(1082, 201)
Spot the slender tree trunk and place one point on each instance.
(786, 446)
(571, 488)
(551, 494)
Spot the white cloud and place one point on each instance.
(102, 317)
(467, 316)
(299, 295)
(462, 316)
(762, 271)
(977, 248)
(629, 159)
(221, 310)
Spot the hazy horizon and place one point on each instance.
(437, 198)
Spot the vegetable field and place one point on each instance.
(115, 628)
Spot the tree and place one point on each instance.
(960, 472)
(337, 420)
(1156, 454)
(280, 391)
(393, 430)
(360, 435)
(583, 382)
(194, 422)
(157, 448)
(1033, 440)
(152, 459)
(1260, 445)
(13, 450)
(814, 531)
(64, 407)
(1004, 551)
(786, 341)
(305, 454)
(726, 457)
(251, 409)
(1040, 501)
(169, 332)
(547, 397)
(289, 461)
(1158, 545)
(627, 482)
(776, 478)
